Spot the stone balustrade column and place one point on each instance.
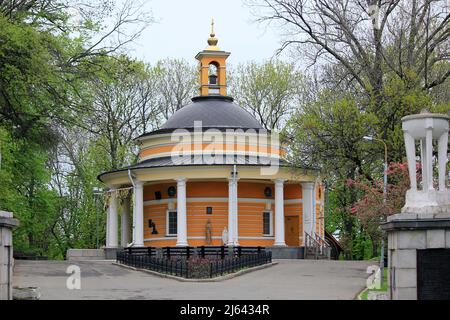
(442, 158)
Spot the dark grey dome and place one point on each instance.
(214, 112)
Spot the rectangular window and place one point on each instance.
(171, 223)
(267, 223)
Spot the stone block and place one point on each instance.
(6, 237)
(392, 240)
(406, 278)
(435, 239)
(406, 258)
(406, 294)
(4, 275)
(74, 253)
(4, 289)
(7, 215)
(411, 239)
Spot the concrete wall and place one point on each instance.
(6, 255)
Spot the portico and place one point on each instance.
(231, 210)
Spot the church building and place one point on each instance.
(212, 175)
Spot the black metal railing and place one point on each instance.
(194, 262)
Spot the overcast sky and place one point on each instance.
(183, 26)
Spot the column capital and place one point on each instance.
(180, 180)
(138, 183)
(308, 185)
(279, 181)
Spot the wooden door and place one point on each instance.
(292, 231)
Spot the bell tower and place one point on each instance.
(212, 67)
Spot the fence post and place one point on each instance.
(188, 252)
(222, 252)
(168, 252)
(202, 252)
(239, 251)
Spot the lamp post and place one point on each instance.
(370, 138)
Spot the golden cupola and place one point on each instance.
(212, 67)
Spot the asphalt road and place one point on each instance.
(290, 279)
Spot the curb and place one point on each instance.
(359, 295)
(217, 279)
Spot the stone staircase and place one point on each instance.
(316, 248)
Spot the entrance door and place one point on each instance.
(292, 231)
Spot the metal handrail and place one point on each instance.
(325, 248)
(318, 245)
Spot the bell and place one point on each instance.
(213, 79)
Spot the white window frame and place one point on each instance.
(167, 223)
(270, 223)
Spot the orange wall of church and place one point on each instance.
(250, 214)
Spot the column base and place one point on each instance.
(280, 244)
(182, 244)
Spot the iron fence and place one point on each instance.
(195, 263)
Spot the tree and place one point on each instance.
(371, 207)
(121, 107)
(176, 83)
(269, 91)
(368, 39)
(46, 54)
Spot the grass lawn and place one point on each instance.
(384, 287)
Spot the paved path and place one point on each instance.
(290, 279)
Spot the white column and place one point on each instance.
(308, 208)
(181, 213)
(138, 218)
(411, 154)
(233, 234)
(107, 228)
(429, 158)
(423, 146)
(442, 155)
(113, 231)
(125, 236)
(235, 212)
(279, 213)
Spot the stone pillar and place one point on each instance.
(279, 213)
(125, 235)
(442, 156)
(181, 213)
(138, 218)
(411, 155)
(113, 230)
(428, 185)
(7, 223)
(308, 196)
